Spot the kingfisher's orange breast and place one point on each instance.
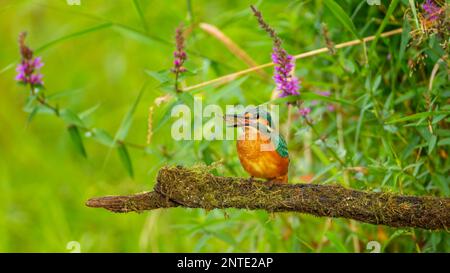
(261, 161)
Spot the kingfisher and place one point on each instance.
(261, 149)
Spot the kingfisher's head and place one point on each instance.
(252, 117)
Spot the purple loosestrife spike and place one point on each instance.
(179, 55)
(432, 9)
(28, 69)
(287, 83)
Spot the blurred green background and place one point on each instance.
(99, 55)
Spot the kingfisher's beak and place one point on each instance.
(235, 120)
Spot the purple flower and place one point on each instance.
(285, 80)
(36, 79)
(21, 77)
(304, 111)
(432, 9)
(179, 54)
(28, 72)
(331, 107)
(37, 63)
(284, 77)
(28, 69)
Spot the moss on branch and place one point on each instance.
(196, 187)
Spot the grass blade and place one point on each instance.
(389, 12)
(128, 119)
(32, 114)
(418, 116)
(125, 158)
(73, 35)
(341, 16)
(77, 140)
(412, 4)
(141, 15)
(122, 132)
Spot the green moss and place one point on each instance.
(196, 187)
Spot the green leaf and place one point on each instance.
(76, 139)
(125, 158)
(341, 16)
(103, 137)
(337, 242)
(186, 98)
(397, 233)
(89, 111)
(412, 5)
(444, 142)
(229, 90)
(406, 96)
(438, 118)
(406, 36)
(30, 103)
(441, 181)
(418, 116)
(71, 118)
(73, 35)
(137, 35)
(39, 108)
(141, 14)
(9, 66)
(443, 132)
(162, 76)
(62, 94)
(389, 12)
(166, 116)
(223, 237)
(32, 114)
(128, 119)
(432, 143)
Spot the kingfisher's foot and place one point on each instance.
(270, 183)
(276, 181)
(251, 179)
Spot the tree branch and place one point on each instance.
(196, 188)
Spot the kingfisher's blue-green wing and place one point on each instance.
(280, 145)
(277, 140)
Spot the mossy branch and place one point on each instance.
(197, 188)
